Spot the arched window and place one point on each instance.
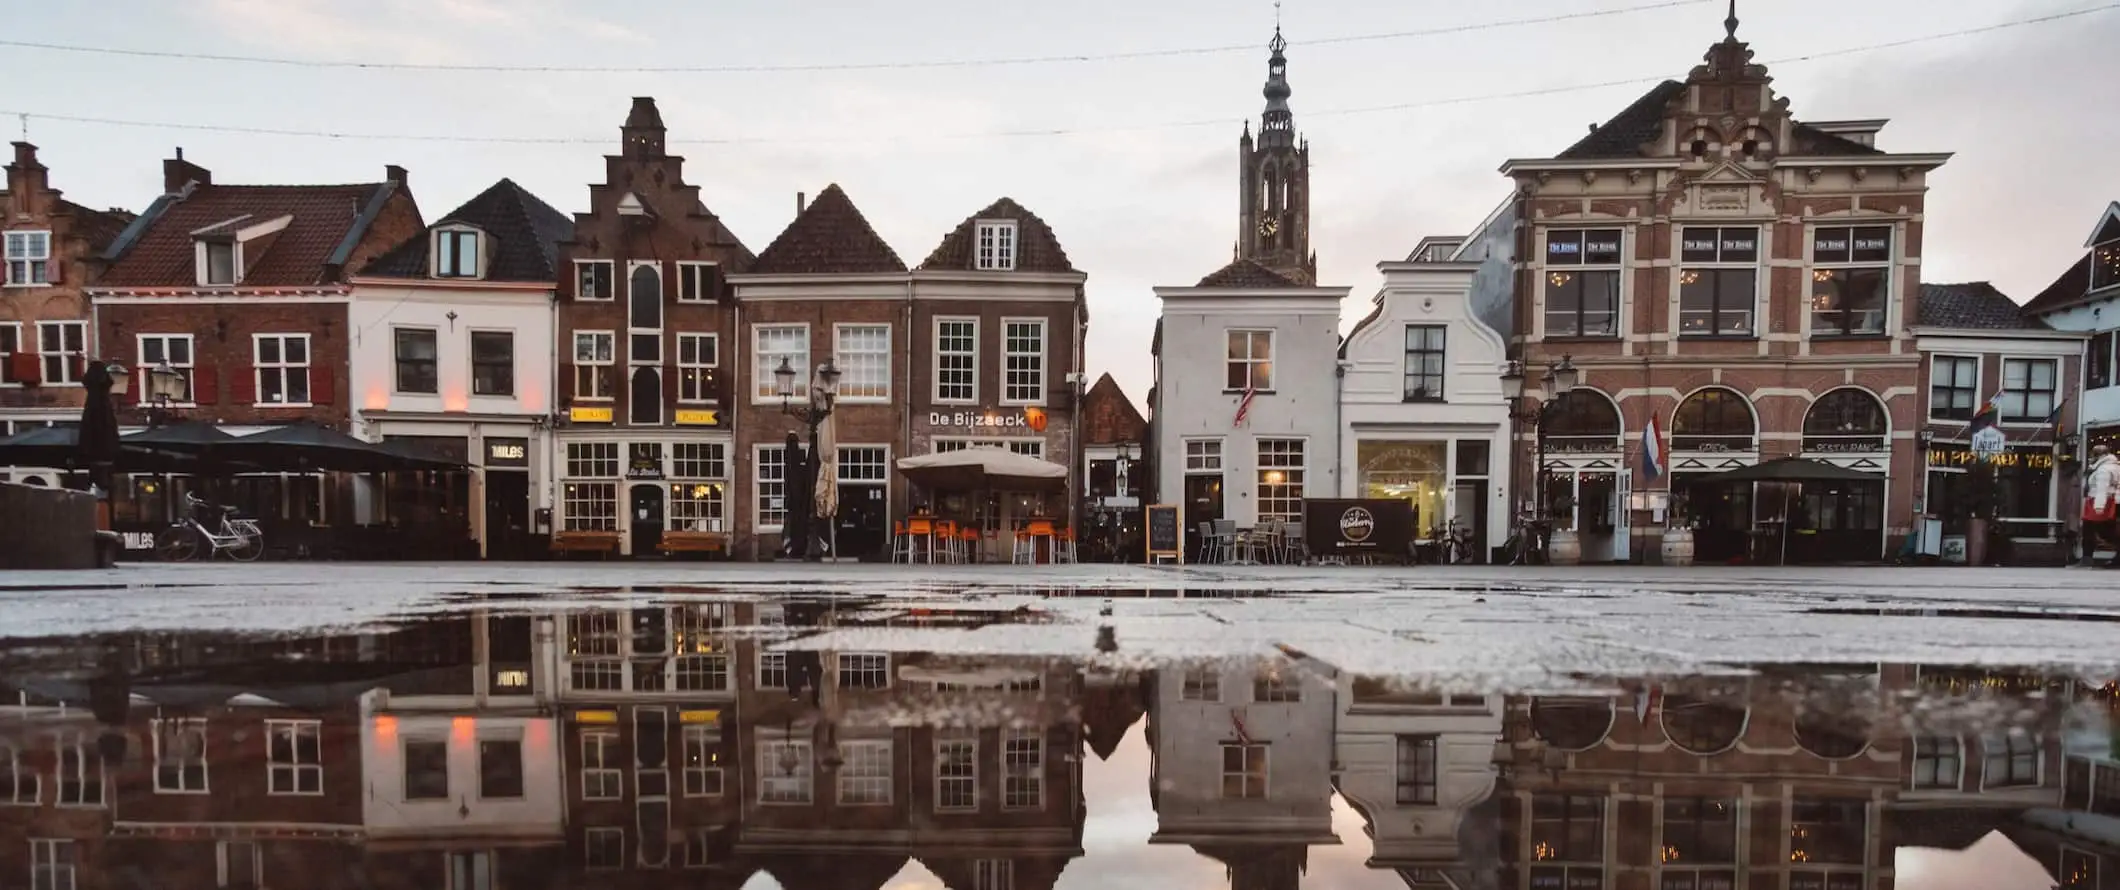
(1581, 420)
(1714, 419)
(1846, 419)
(1705, 724)
(644, 398)
(1572, 724)
(644, 298)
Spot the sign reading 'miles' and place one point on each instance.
(1032, 419)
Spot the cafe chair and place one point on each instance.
(968, 540)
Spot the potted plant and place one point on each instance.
(1981, 501)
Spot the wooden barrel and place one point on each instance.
(1678, 547)
(1563, 548)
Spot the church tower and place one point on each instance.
(1273, 224)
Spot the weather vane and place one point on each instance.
(1277, 15)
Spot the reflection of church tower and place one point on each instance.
(1273, 225)
(1261, 867)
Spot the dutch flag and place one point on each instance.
(1652, 451)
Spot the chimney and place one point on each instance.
(177, 173)
(26, 177)
(799, 203)
(394, 173)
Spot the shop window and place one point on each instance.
(1581, 420)
(1713, 419)
(1280, 496)
(1406, 471)
(1567, 840)
(1700, 844)
(1845, 420)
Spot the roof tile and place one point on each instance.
(162, 255)
(1974, 305)
(1247, 274)
(1037, 249)
(829, 237)
(525, 233)
(1109, 417)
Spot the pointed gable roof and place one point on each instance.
(829, 237)
(1109, 417)
(1248, 275)
(1037, 249)
(2074, 284)
(524, 234)
(1634, 126)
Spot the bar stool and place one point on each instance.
(1027, 540)
(920, 531)
(943, 546)
(968, 539)
(1064, 547)
(901, 543)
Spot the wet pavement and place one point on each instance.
(516, 727)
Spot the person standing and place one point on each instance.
(2101, 494)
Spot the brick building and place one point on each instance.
(827, 288)
(643, 452)
(51, 245)
(1716, 265)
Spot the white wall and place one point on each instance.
(2101, 407)
(377, 310)
(540, 811)
(1191, 401)
(1367, 749)
(1373, 396)
(1298, 737)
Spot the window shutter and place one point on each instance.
(566, 385)
(205, 389)
(78, 363)
(26, 368)
(717, 288)
(53, 267)
(243, 386)
(321, 389)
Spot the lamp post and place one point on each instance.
(1558, 379)
(823, 393)
(165, 387)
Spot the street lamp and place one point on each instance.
(165, 386)
(823, 393)
(1559, 378)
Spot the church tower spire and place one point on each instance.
(1273, 215)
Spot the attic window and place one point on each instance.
(995, 245)
(217, 262)
(630, 205)
(2105, 265)
(1700, 149)
(456, 253)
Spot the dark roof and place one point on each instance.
(1624, 135)
(1244, 273)
(1973, 305)
(1109, 417)
(1037, 250)
(160, 253)
(1813, 142)
(100, 227)
(525, 233)
(829, 237)
(2071, 287)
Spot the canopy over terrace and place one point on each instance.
(983, 470)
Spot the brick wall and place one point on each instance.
(224, 347)
(28, 203)
(237, 754)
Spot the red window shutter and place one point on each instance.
(320, 385)
(205, 389)
(52, 267)
(79, 364)
(243, 386)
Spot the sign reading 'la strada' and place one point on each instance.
(1032, 419)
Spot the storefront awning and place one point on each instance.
(1792, 469)
(983, 468)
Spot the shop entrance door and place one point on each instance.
(647, 519)
(1203, 503)
(507, 514)
(864, 520)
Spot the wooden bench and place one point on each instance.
(675, 542)
(601, 543)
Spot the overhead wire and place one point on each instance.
(1031, 132)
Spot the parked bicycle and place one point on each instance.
(241, 538)
(1455, 543)
(1527, 541)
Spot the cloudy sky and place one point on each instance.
(1130, 154)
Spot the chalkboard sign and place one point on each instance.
(1166, 536)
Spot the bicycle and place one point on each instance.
(1454, 545)
(1526, 544)
(242, 538)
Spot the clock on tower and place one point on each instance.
(1274, 207)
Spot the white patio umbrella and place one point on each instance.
(826, 450)
(983, 467)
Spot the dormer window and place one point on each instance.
(456, 253)
(995, 249)
(2105, 265)
(217, 262)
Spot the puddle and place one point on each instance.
(864, 741)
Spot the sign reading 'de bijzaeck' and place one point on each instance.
(1028, 418)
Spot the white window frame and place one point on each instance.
(571, 519)
(284, 368)
(1251, 360)
(692, 278)
(1957, 780)
(599, 768)
(611, 280)
(950, 741)
(705, 737)
(759, 510)
(1760, 266)
(1009, 354)
(1022, 784)
(696, 382)
(848, 359)
(1890, 265)
(226, 868)
(799, 789)
(589, 842)
(63, 360)
(190, 363)
(1302, 486)
(940, 353)
(765, 388)
(2056, 395)
(89, 771)
(293, 729)
(1987, 756)
(26, 778)
(452, 236)
(48, 870)
(1197, 462)
(1547, 269)
(1200, 683)
(7, 353)
(865, 790)
(465, 868)
(1222, 771)
(662, 319)
(993, 874)
(769, 665)
(36, 268)
(397, 383)
(1929, 392)
(1023, 445)
(202, 256)
(861, 663)
(995, 245)
(608, 338)
(163, 728)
